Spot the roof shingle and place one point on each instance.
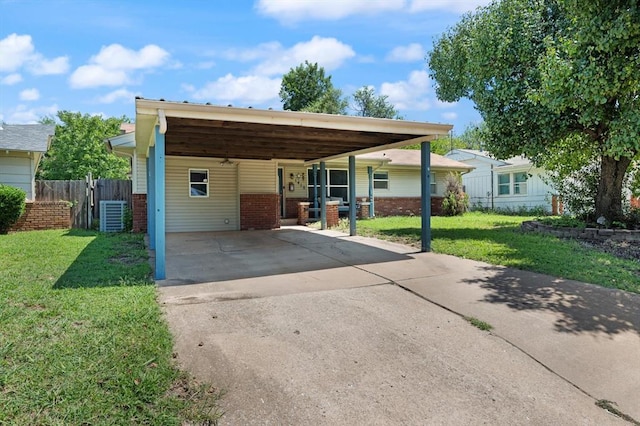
(26, 137)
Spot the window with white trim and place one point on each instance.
(337, 183)
(504, 184)
(433, 184)
(381, 180)
(198, 183)
(520, 183)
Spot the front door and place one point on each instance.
(281, 191)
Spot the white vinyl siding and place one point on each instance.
(257, 177)
(218, 212)
(16, 170)
(140, 176)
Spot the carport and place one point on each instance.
(265, 136)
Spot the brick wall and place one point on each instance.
(41, 215)
(333, 216)
(139, 207)
(259, 211)
(291, 206)
(405, 206)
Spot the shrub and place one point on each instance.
(127, 220)
(12, 205)
(455, 201)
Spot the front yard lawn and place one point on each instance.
(82, 338)
(497, 239)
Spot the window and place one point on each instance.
(520, 183)
(504, 184)
(381, 180)
(337, 183)
(433, 184)
(198, 183)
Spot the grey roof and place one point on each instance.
(26, 137)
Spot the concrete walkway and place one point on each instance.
(305, 326)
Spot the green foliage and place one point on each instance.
(368, 104)
(127, 219)
(551, 76)
(563, 222)
(78, 148)
(304, 86)
(455, 201)
(12, 205)
(484, 326)
(330, 102)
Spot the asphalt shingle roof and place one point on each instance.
(26, 137)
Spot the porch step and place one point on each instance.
(288, 222)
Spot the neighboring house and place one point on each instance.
(510, 184)
(21, 149)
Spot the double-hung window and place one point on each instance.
(520, 183)
(512, 183)
(198, 183)
(381, 180)
(337, 183)
(433, 184)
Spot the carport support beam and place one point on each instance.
(323, 195)
(425, 199)
(315, 191)
(352, 195)
(371, 208)
(159, 207)
(151, 217)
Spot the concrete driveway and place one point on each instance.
(314, 327)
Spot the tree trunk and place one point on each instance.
(609, 196)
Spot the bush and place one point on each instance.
(455, 202)
(127, 220)
(12, 205)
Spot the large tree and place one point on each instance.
(551, 76)
(78, 148)
(367, 104)
(304, 86)
(331, 102)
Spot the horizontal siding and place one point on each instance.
(140, 178)
(257, 177)
(15, 170)
(187, 214)
(299, 190)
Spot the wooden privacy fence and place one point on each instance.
(84, 196)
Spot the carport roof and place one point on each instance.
(200, 130)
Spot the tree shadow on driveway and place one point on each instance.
(579, 307)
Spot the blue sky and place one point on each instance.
(96, 56)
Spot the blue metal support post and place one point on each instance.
(370, 173)
(425, 179)
(323, 196)
(159, 207)
(151, 200)
(352, 195)
(315, 191)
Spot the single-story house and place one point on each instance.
(505, 184)
(22, 146)
(199, 167)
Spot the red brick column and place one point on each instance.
(259, 211)
(332, 214)
(363, 211)
(303, 213)
(291, 206)
(139, 204)
(41, 215)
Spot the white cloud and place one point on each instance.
(24, 115)
(251, 89)
(329, 53)
(410, 53)
(29, 95)
(41, 66)
(17, 51)
(115, 65)
(297, 10)
(292, 11)
(453, 6)
(410, 94)
(120, 94)
(11, 79)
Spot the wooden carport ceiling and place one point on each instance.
(202, 130)
(227, 139)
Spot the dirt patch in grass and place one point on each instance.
(621, 249)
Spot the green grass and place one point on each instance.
(484, 326)
(82, 338)
(497, 239)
